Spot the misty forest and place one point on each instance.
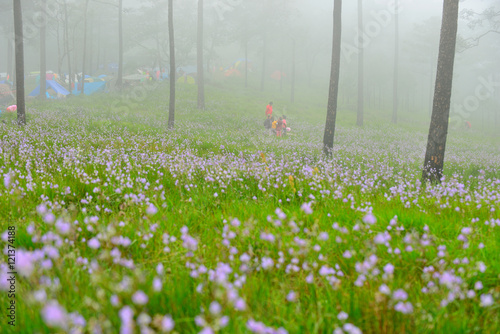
(250, 166)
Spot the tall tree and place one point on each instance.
(361, 60)
(43, 53)
(200, 71)
(246, 50)
(84, 44)
(171, 108)
(438, 130)
(18, 31)
(395, 99)
(264, 61)
(331, 114)
(119, 80)
(9, 58)
(66, 38)
(292, 96)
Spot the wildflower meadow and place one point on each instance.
(122, 226)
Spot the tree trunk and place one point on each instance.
(99, 22)
(60, 54)
(361, 56)
(158, 50)
(331, 114)
(91, 51)
(200, 73)
(171, 109)
(43, 53)
(246, 52)
(18, 31)
(438, 130)
(292, 97)
(431, 75)
(10, 60)
(66, 35)
(396, 65)
(119, 80)
(264, 58)
(282, 56)
(84, 45)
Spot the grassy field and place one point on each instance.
(122, 226)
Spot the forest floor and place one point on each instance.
(120, 225)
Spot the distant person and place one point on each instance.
(269, 109)
(284, 125)
(279, 127)
(268, 122)
(273, 125)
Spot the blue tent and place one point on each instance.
(51, 84)
(91, 88)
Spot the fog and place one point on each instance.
(230, 24)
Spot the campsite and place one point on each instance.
(266, 166)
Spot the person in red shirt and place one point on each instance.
(269, 109)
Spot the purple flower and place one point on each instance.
(151, 210)
(54, 315)
(140, 298)
(94, 243)
(215, 308)
(400, 294)
(167, 324)
(369, 219)
(127, 317)
(405, 308)
(157, 284)
(291, 297)
(389, 269)
(306, 207)
(267, 263)
(342, 316)
(486, 300)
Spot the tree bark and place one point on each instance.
(10, 70)
(119, 80)
(84, 45)
(60, 54)
(264, 60)
(66, 36)
(200, 72)
(43, 63)
(171, 109)
(438, 130)
(91, 42)
(246, 52)
(292, 97)
(361, 60)
(18, 31)
(395, 99)
(158, 50)
(331, 114)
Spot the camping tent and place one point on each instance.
(91, 87)
(54, 89)
(241, 63)
(188, 79)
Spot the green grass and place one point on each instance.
(111, 141)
